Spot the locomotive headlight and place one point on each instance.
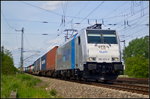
(115, 59)
(92, 59)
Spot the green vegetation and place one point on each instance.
(136, 56)
(53, 92)
(7, 63)
(25, 85)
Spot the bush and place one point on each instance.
(53, 92)
(137, 66)
(7, 67)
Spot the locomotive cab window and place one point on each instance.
(94, 36)
(110, 39)
(101, 36)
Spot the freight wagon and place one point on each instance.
(29, 69)
(45, 66)
(37, 66)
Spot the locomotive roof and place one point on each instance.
(84, 30)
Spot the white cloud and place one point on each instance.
(52, 5)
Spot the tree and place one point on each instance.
(7, 64)
(136, 56)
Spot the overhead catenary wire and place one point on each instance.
(25, 20)
(29, 33)
(126, 14)
(132, 34)
(70, 16)
(129, 15)
(56, 22)
(11, 27)
(84, 6)
(92, 11)
(27, 41)
(133, 25)
(58, 14)
(134, 14)
(130, 23)
(114, 10)
(137, 33)
(41, 8)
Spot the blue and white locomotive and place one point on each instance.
(93, 53)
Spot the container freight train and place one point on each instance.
(92, 53)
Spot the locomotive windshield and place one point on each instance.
(102, 36)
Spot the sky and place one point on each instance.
(129, 18)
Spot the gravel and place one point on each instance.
(67, 89)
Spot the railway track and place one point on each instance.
(133, 80)
(140, 89)
(130, 88)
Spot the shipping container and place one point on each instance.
(43, 62)
(51, 59)
(35, 66)
(34, 69)
(39, 64)
(31, 68)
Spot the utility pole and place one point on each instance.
(124, 49)
(21, 57)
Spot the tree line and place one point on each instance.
(136, 58)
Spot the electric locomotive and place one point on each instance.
(93, 53)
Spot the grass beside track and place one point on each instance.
(25, 85)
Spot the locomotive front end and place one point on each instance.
(103, 61)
